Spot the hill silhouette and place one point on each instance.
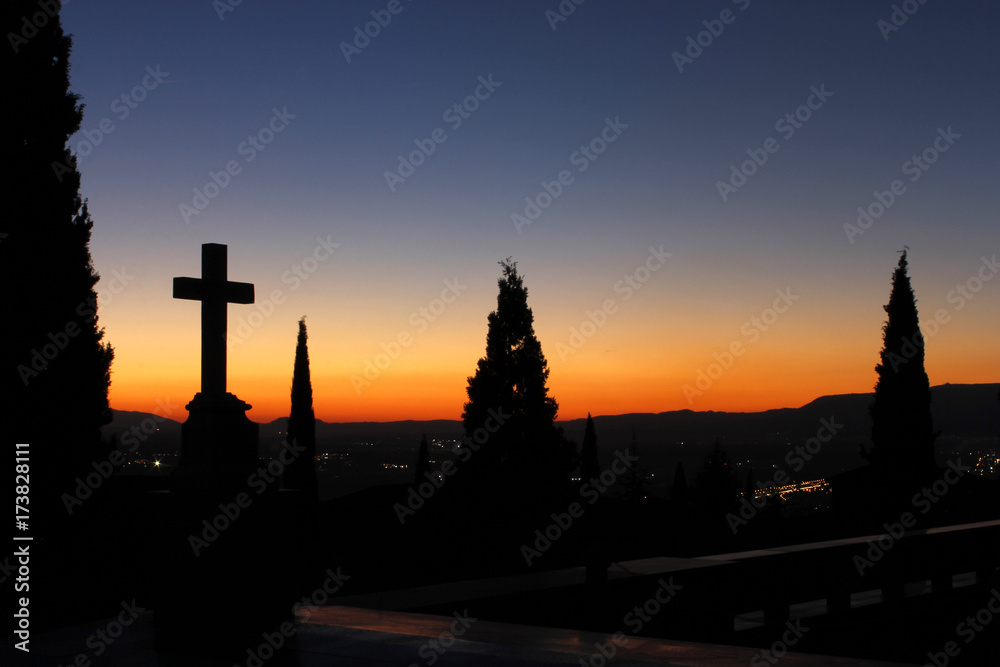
(968, 416)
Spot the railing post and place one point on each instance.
(838, 601)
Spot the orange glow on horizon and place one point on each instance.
(640, 362)
(419, 398)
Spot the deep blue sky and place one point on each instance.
(656, 184)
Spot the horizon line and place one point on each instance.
(569, 419)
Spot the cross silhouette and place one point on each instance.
(214, 291)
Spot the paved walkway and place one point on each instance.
(365, 630)
(348, 637)
(396, 638)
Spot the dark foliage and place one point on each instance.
(55, 359)
(301, 473)
(527, 451)
(902, 430)
(590, 467)
(56, 364)
(423, 462)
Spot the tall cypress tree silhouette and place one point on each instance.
(590, 468)
(301, 473)
(423, 461)
(510, 383)
(56, 365)
(902, 429)
(596, 520)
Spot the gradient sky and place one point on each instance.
(323, 177)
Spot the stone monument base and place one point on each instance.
(226, 540)
(219, 446)
(226, 575)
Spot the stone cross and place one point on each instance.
(214, 291)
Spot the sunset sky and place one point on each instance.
(641, 138)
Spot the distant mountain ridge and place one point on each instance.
(959, 410)
(374, 453)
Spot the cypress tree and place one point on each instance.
(590, 468)
(423, 461)
(56, 363)
(902, 429)
(527, 451)
(301, 473)
(596, 518)
(57, 366)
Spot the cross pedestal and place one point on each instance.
(223, 539)
(218, 442)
